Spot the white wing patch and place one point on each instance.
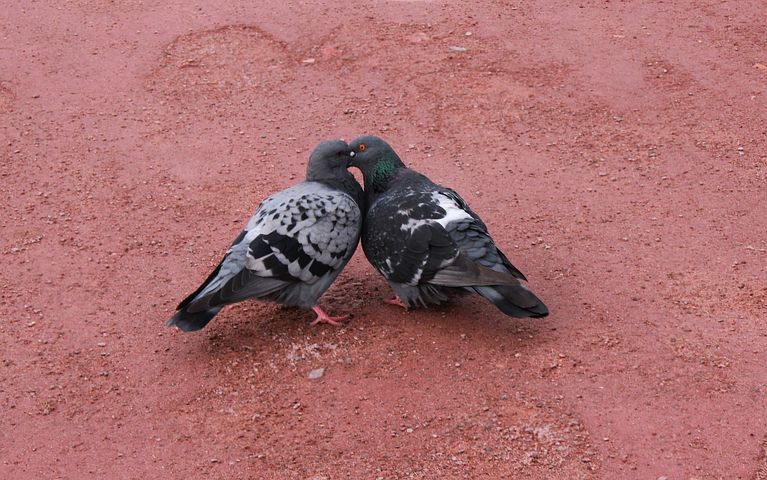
(413, 223)
(453, 211)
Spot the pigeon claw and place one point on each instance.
(323, 317)
(395, 301)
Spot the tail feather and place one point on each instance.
(515, 301)
(193, 321)
(465, 272)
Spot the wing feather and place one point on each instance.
(299, 235)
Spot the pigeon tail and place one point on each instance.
(515, 301)
(193, 321)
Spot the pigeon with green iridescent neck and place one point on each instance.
(426, 241)
(293, 247)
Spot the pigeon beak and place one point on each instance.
(352, 158)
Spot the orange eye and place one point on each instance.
(362, 147)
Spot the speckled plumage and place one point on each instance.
(292, 248)
(426, 241)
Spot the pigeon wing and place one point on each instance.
(471, 235)
(296, 236)
(431, 255)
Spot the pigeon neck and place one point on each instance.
(344, 182)
(385, 170)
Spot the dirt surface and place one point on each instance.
(615, 149)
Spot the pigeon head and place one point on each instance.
(329, 161)
(377, 161)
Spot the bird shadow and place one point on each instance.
(262, 327)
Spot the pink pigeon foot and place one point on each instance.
(395, 301)
(323, 317)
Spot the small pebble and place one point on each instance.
(316, 373)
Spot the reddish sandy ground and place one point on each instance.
(615, 149)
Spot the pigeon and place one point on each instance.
(426, 241)
(292, 248)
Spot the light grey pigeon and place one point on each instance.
(426, 241)
(292, 248)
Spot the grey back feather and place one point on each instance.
(292, 248)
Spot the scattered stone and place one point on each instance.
(418, 37)
(454, 48)
(316, 373)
